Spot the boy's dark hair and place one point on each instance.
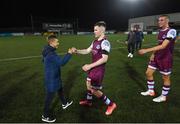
(100, 23)
(50, 37)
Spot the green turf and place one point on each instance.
(22, 89)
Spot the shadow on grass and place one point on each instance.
(70, 81)
(12, 74)
(92, 114)
(176, 53)
(8, 97)
(135, 76)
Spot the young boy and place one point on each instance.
(53, 83)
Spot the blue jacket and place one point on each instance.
(52, 67)
(139, 36)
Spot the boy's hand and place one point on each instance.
(72, 50)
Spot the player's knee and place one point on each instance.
(149, 73)
(93, 91)
(88, 85)
(166, 77)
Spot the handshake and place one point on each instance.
(72, 50)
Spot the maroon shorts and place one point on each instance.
(164, 66)
(95, 76)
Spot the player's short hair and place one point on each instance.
(166, 16)
(51, 37)
(100, 23)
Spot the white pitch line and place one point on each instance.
(31, 57)
(21, 58)
(18, 58)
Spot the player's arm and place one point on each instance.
(84, 51)
(101, 61)
(62, 61)
(152, 56)
(170, 35)
(156, 48)
(105, 51)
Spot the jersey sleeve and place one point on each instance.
(106, 46)
(171, 34)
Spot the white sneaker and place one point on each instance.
(129, 54)
(67, 104)
(161, 98)
(148, 93)
(48, 119)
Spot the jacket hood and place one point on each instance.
(48, 49)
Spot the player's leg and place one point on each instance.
(136, 45)
(132, 49)
(149, 73)
(88, 100)
(47, 117)
(96, 87)
(140, 44)
(150, 82)
(129, 49)
(165, 67)
(89, 93)
(165, 89)
(166, 85)
(110, 104)
(61, 96)
(99, 94)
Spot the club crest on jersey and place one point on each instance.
(164, 36)
(98, 47)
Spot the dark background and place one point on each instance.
(115, 13)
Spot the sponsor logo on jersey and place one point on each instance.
(164, 36)
(98, 47)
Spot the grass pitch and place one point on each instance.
(22, 89)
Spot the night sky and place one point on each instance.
(115, 13)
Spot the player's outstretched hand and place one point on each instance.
(142, 51)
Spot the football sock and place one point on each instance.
(106, 100)
(89, 96)
(61, 96)
(165, 90)
(150, 84)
